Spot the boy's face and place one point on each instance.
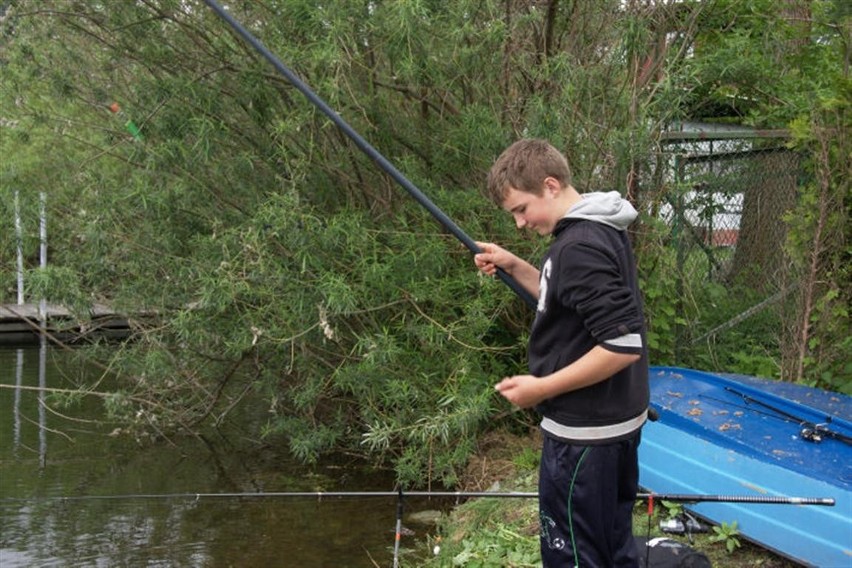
(538, 213)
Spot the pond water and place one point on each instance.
(72, 495)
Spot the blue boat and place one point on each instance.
(736, 435)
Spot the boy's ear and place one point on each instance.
(552, 186)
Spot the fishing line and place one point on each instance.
(366, 147)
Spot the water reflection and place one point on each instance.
(47, 455)
(42, 409)
(16, 405)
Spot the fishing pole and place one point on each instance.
(810, 431)
(774, 414)
(399, 494)
(366, 147)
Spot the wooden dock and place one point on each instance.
(20, 324)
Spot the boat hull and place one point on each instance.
(710, 441)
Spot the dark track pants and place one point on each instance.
(586, 497)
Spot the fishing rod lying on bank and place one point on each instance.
(365, 146)
(321, 495)
(400, 495)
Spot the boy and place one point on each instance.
(587, 354)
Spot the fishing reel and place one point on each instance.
(683, 524)
(812, 432)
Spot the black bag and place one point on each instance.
(661, 552)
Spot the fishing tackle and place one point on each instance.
(458, 495)
(810, 431)
(399, 494)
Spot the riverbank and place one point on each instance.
(504, 532)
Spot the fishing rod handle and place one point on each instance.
(675, 498)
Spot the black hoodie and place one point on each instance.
(589, 296)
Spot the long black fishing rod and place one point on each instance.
(366, 147)
(810, 431)
(321, 495)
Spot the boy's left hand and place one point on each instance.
(523, 391)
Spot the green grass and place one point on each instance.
(503, 533)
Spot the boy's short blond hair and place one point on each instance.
(523, 166)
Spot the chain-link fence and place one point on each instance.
(722, 198)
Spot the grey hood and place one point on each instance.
(608, 208)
